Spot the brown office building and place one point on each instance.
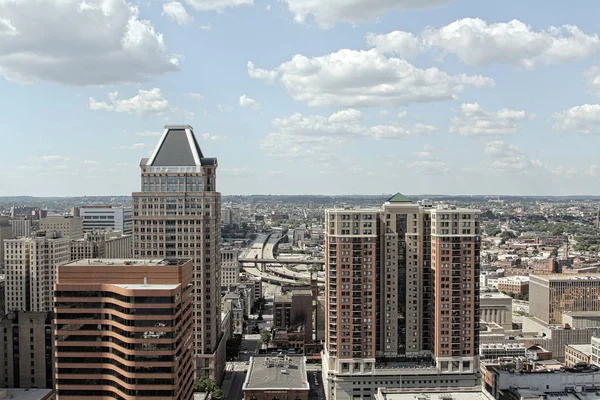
(402, 283)
(177, 214)
(124, 330)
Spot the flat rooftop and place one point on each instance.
(277, 372)
(86, 262)
(396, 394)
(494, 295)
(588, 314)
(568, 277)
(25, 394)
(584, 348)
(149, 286)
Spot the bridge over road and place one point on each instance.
(278, 261)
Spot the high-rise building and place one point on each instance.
(402, 285)
(66, 225)
(104, 218)
(27, 356)
(551, 295)
(6, 233)
(21, 227)
(123, 329)
(177, 215)
(30, 268)
(230, 267)
(102, 244)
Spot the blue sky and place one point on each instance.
(304, 96)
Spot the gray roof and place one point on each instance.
(176, 150)
(266, 373)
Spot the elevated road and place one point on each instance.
(279, 261)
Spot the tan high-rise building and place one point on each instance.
(177, 215)
(123, 329)
(66, 225)
(30, 268)
(402, 285)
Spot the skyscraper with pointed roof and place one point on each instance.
(176, 215)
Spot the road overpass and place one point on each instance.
(279, 261)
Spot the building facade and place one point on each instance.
(66, 225)
(230, 267)
(177, 214)
(30, 268)
(497, 308)
(6, 233)
(578, 354)
(104, 218)
(26, 356)
(123, 329)
(552, 295)
(21, 227)
(402, 283)
(102, 244)
(514, 284)
(595, 350)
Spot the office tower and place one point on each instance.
(230, 267)
(66, 225)
(21, 227)
(227, 216)
(551, 295)
(104, 218)
(123, 329)
(5, 234)
(402, 285)
(27, 356)
(101, 244)
(177, 214)
(30, 268)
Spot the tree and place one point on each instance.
(265, 336)
(209, 386)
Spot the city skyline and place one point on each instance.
(342, 93)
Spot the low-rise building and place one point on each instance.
(475, 393)
(280, 377)
(577, 354)
(496, 307)
(514, 284)
(596, 350)
(66, 225)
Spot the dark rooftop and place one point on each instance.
(277, 372)
(399, 198)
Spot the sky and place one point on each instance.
(304, 96)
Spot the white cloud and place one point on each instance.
(79, 43)
(328, 12)
(247, 102)
(564, 172)
(54, 158)
(593, 170)
(508, 158)
(476, 122)
(583, 119)
(475, 42)
(352, 78)
(428, 166)
(287, 146)
(401, 114)
(275, 173)
(213, 138)
(217, 5)
(196, 96)
(148, 134)
(146, 102)
(207, 27)
(91, 162)
(175, 11)
(135, 146)
(262, 74)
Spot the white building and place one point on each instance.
(30, 268)
(105, 218)
(230, 267)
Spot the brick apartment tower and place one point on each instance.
(402, 284)
(123, 330)
(177, 215)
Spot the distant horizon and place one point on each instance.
(326, 195)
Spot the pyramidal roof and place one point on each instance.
(178, 147)
(399, 198)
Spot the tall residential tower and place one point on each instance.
(402, 284)
(177, 215)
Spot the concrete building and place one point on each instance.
(123, 329)
(595, 350)
(233, 305)
(551, 295)
(5, 234)
(177, 215)
(577, 354)
(230, 267)
(294, 310)
(102, 244)
(228, 216)
(581, 319)
(402, 284)
(474, 393)
(514, 284)
(30, 268)
(104, 218)
(66, 225)
(21, 227)
(27, 394)
(276, 377)
(27, 353)
(496, 307)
